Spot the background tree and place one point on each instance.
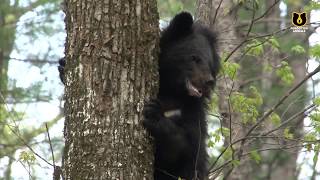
(218, 16)
(111, 53)
(279, 163)
(251, 101)
(168, 8)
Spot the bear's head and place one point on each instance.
(188, 61)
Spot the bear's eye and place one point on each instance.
(195, 59)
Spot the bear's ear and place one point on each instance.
(180, 26)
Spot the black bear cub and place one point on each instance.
(188, 65)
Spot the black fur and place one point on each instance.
(62, 64)
(188, 65)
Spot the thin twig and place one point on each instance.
(51, 149)
(217, 159)
(216, 13)
(252, 21)
(242, 140)
(270, 111)
(267, 11)
(292, 90)
(39, 61)
(274, 148)
(289, 120)
(27, 169)
(21, 139)
(259, 150)
(253, 38)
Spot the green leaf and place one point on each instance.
(287, 133)
(27, 157)
(315, 117)
(10, 18)
(213, 104)
(225, 10)
(285, 73)
(217, 138)
(225, 131)
(228, 153)
(308, 147)
(310, 137)
(216, 135)
(255, 48)
(316, 101)
(297, 49)
(255, 156)
(235, 162)
(273, 42)
(247, 106)
(210, 143)
(256, 4)
(230, 69)
(313, 5)
(315, 51)
(255, 96)
(275, 119)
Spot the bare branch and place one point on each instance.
(292, 90)
(216, 13)
(51, 149)
(290, 119)
(266, 12)
(38, 61)
(27, 169)
(253, 38)
(17, 133)
(252, 21)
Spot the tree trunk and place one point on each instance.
(276, 164)
(217, 15)
(111, 69)
(282, 163)
(288, 166)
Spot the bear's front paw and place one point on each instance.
(152, 109)
(152, 112)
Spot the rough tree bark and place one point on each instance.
(217, 14)
(111, 55)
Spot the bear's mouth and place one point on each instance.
(193, 90)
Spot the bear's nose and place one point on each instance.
(210, 81)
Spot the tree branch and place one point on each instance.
(282, 100)
(38, 61)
